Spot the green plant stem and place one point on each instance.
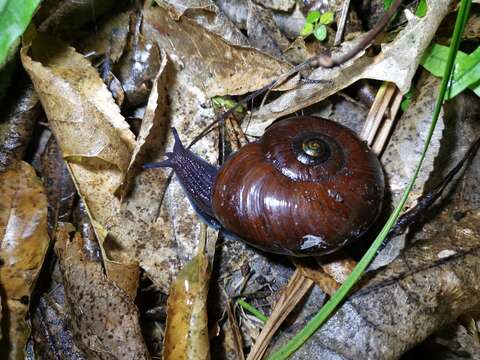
(301, 337)
(254, 311)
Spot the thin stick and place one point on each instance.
(342, 23)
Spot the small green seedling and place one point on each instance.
(316, 24)
(225, 102)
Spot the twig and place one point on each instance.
(342, 23)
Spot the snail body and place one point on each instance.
(307, 187)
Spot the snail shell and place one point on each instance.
(307, 187)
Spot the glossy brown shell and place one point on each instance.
(276, 203)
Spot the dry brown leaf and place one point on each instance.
(263, 32)
(79, 107)
(23, 244)
(397, 63)
(155, 225)
(104, 319)
(186, 335)
(22, 109)
(58, 185)
(220, 68)
(207, 14)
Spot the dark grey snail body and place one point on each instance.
(307, 187)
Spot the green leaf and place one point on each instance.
(307, 29)
(253, 310)
(225, 102)
(327, 17)
(327, 310)
(387, 4)
(407, 99)
(313, 16)
(320, 32)
(467, 68)
(421, 8)
(15, 16)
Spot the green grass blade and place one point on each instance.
(299, 339)
(253, 310)
(15, 16)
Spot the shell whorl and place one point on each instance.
(308, 186)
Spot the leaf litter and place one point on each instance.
(145, 226)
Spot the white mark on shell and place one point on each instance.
(310, 241)
(445, 254)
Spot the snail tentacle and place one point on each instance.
(196, 176)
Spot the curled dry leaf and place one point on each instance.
(104, 319)
(186, 336)
(221, 68)
(23, 244)
(397, 63)
(155, 225)
(83, 116)
(263, 32)
(18, 119)
(58, 185)
(138, 65)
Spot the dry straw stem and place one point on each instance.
(297, 287)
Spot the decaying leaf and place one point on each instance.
(138, 64)
(263, 32)
(18, 120)
(58, 185)
(221, 68)
(23, 244)
(104, 319)
(207, 14)
(397, 63)
(186, 336)
(154, 225)
(52, 338)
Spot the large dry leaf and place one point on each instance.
(186, 335)
(23, 243)
(154, 225)
(221, 68)
(207, 14)
(104, 319)
(397, 63)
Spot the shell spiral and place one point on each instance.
(307, 187)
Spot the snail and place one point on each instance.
(307, 187)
